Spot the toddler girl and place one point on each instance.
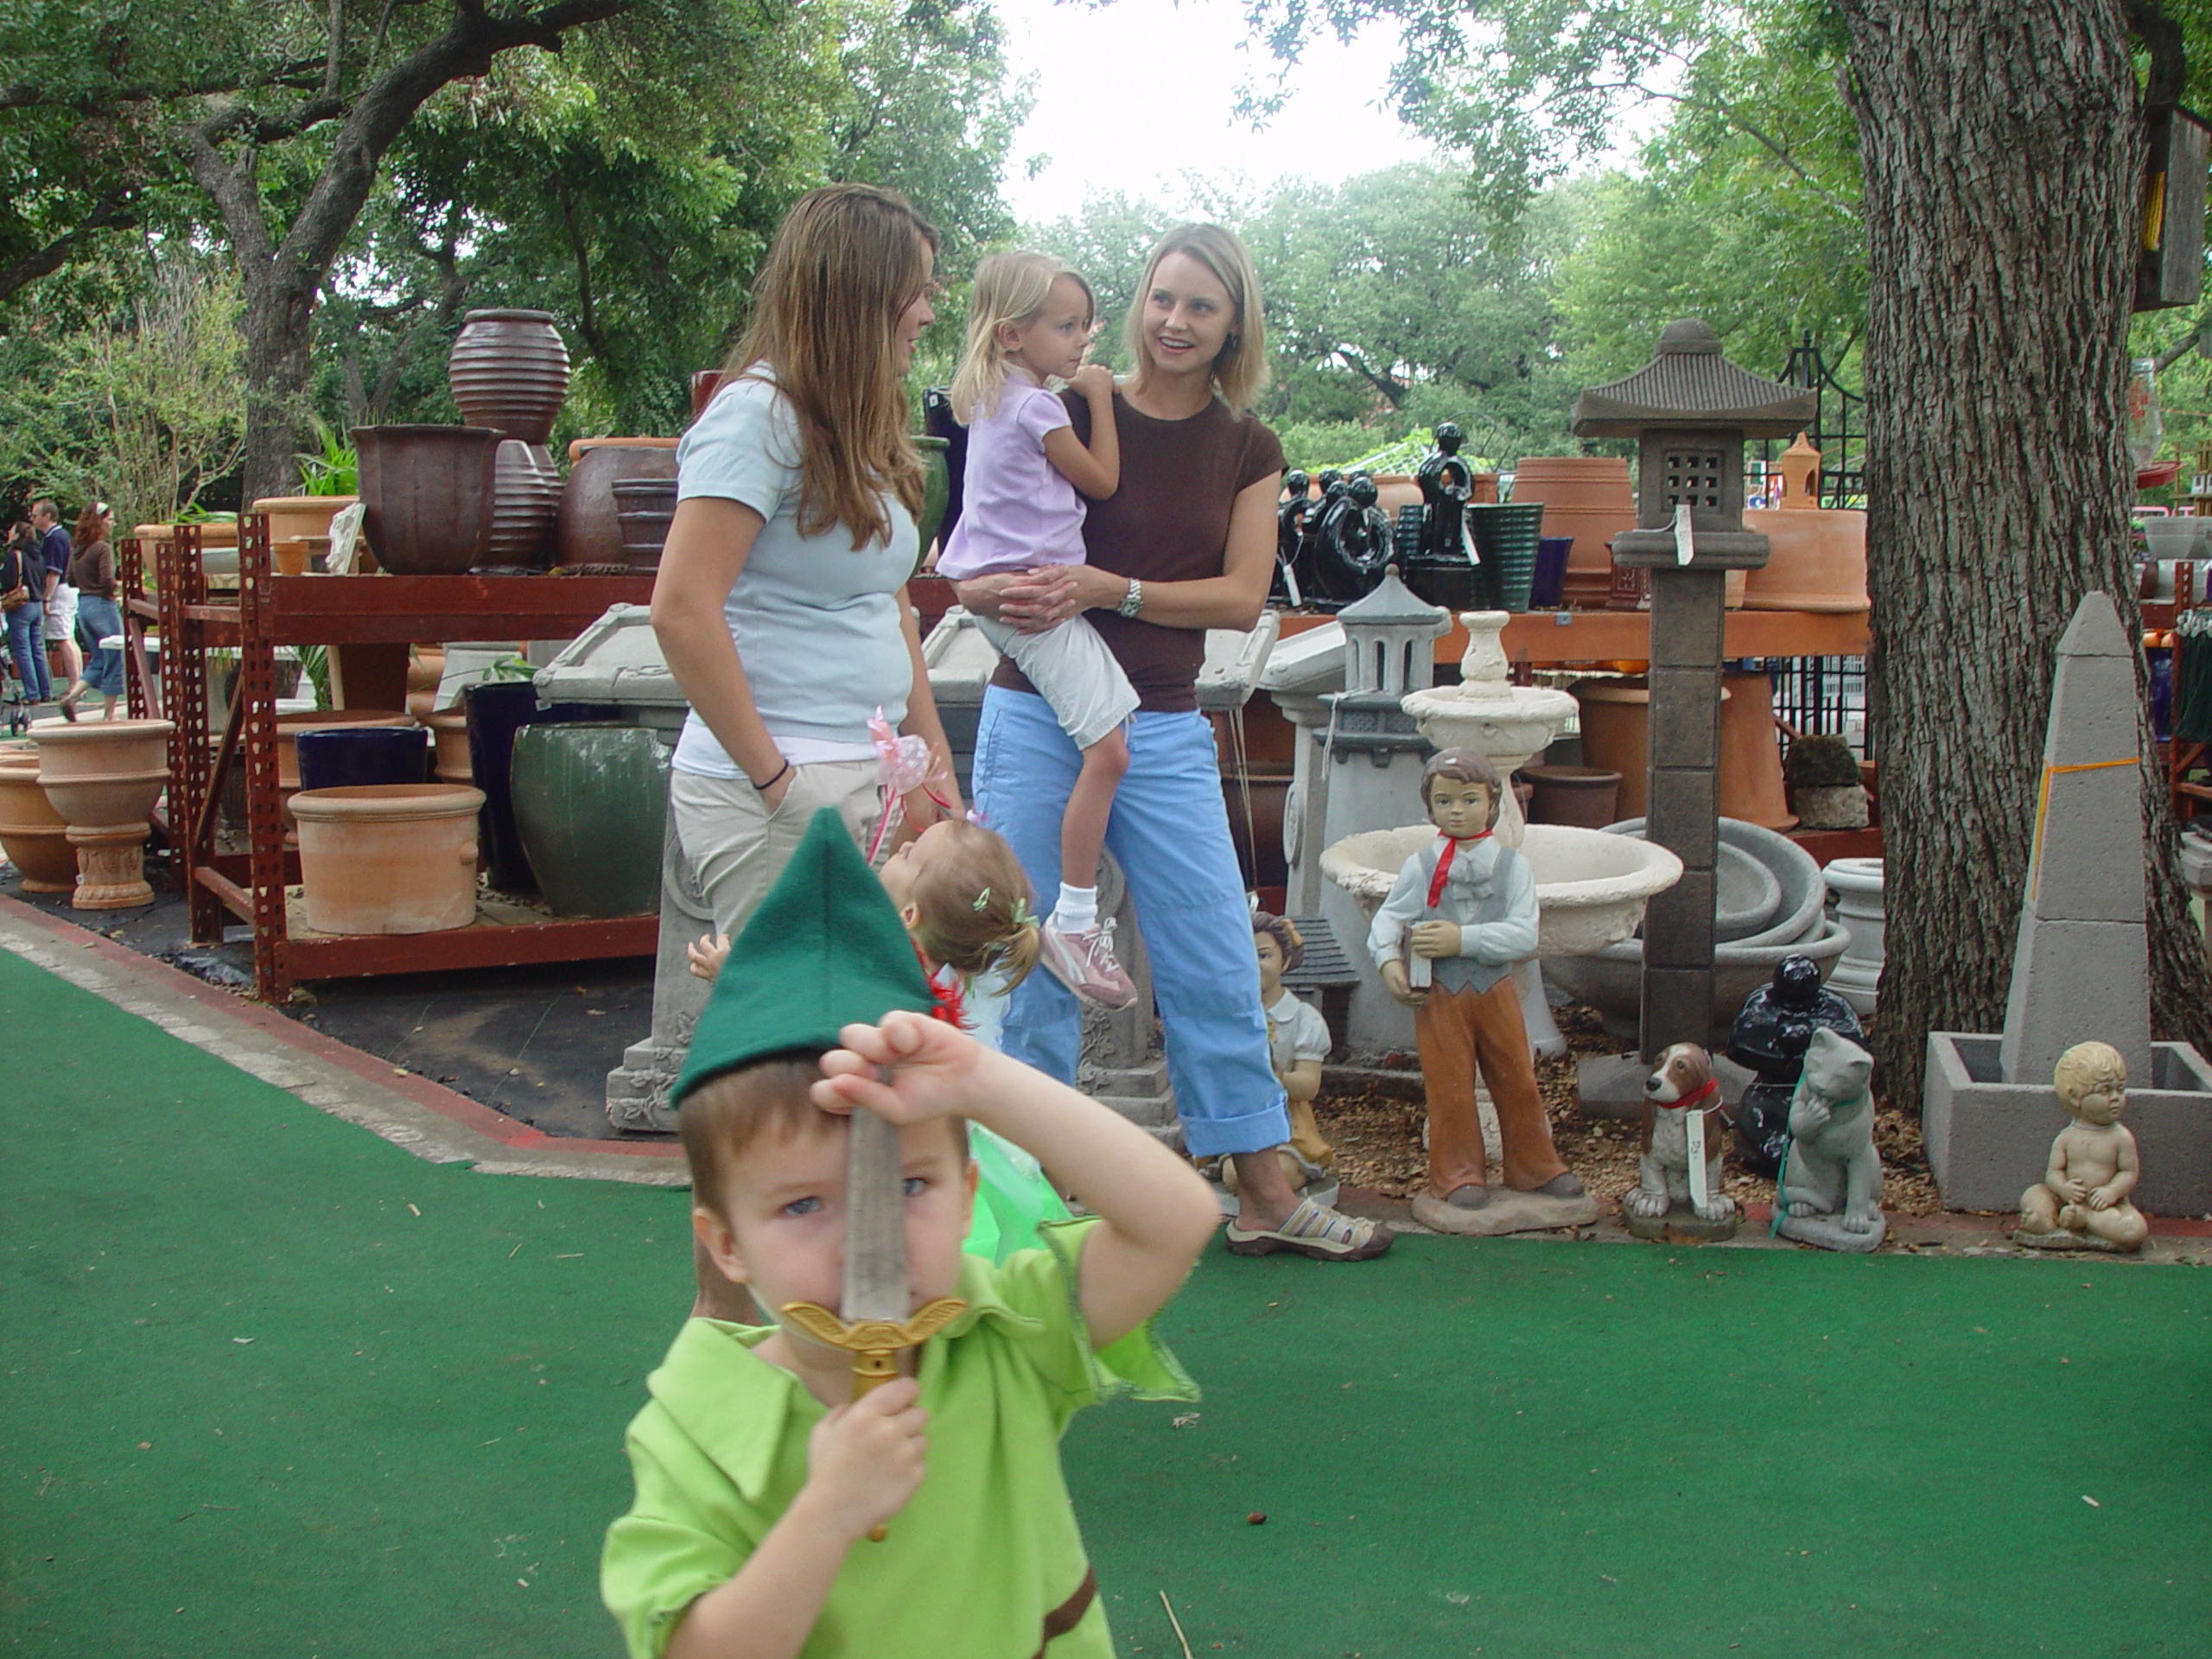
(1029, 322)
(960, 892)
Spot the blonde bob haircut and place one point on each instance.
(1010, 288)
(1240, 372)
(847, 262)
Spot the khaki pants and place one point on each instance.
(738, 849)
(1458, 1032)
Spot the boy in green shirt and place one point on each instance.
(758, 1484)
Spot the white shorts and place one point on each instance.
(61, 614)
(737, 848)
(1073, 671)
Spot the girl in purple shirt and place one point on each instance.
(1029, 321)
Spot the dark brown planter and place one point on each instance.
(509, 371)
(588, 528)
(526, 496)
(1584, 796)
(645, 505)
(428, 490)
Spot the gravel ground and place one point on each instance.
(1377, 1136)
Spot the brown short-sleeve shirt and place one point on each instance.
(1167, 522)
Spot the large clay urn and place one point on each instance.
(1588, 498)
(526, 496)
(645, 508)
(1816, 561)
(509, 371)
(587, 530)
(32, 834)
(429, 491)
(1616, 721)
(1749, 773)
(104, 775)
(388, 858)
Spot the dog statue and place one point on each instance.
(1665, 1202)
(1831, 1188)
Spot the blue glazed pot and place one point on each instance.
(355, 755)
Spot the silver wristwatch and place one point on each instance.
(1133, 601)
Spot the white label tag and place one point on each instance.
(1418, 972)
(1701, 1193)
(1682, 549)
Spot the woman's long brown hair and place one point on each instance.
(847, 262)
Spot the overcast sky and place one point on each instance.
(1131, 95)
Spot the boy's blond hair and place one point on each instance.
(1009, 288)
(1240, 372)
(972, 908)
(724, 1117)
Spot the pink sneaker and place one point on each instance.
(1084, 963)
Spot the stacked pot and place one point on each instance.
(102, 778)
(1590, 498)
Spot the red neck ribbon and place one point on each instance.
(1696, 1096)
(951, 1003)
(1444, 865)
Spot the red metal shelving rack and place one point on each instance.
(270, 610)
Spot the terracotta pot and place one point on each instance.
(1395, 489)
(1616, 717)
(1589, 498)
(296, 518)
(32, 833)
(1816, 561)
(426, 666)
(587, 530)
(450, 732)
(645, 506)
(1750, 778)
(430, 492)
(509, 372)
(1584, 796)
(591, 805)
(103, 776)
(388, 858)
(526, 496)
(289, 558)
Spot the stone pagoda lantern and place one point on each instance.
(1691, 411)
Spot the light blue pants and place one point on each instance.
(1170, 834)
(26, 639)
(96, 619)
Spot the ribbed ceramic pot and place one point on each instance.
(32, 834)
(1505, 535)
(587, 530)
(509, 371)
(591, 802)
(429, 491)
(646, 507)
(388, 858)
(525, 498)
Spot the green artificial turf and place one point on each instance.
(1517, 1448)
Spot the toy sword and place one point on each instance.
(875, 1328)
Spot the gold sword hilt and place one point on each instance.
(874, 1344)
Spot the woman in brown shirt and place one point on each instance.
(1185, 544)
(91, 573)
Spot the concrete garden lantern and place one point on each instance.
(1691, 411)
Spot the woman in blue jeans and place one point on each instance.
(91, 573)
(1185, 544)
(21, 566)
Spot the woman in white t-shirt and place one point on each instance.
(780, 602)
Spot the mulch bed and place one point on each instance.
(1377, 1136)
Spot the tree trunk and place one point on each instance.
(2002, 147)
(279, 342)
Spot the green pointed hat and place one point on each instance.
(825, 949)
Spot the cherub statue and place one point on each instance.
(1831, 1187)
(1297, 1041)
(1462, 912)
(2081, 1202)
(1448, 483)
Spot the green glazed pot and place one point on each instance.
(591, 802)
(936, 491)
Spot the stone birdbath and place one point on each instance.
(1591, 889)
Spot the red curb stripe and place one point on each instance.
(487, 1121)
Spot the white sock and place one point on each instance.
(1078, 910)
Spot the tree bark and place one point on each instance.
(2001, 141)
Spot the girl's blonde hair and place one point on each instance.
(972, 911)
(847, 262)
(1240, 372)
(1009, 288)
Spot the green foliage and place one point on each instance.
(143, 406)
(333, 470)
